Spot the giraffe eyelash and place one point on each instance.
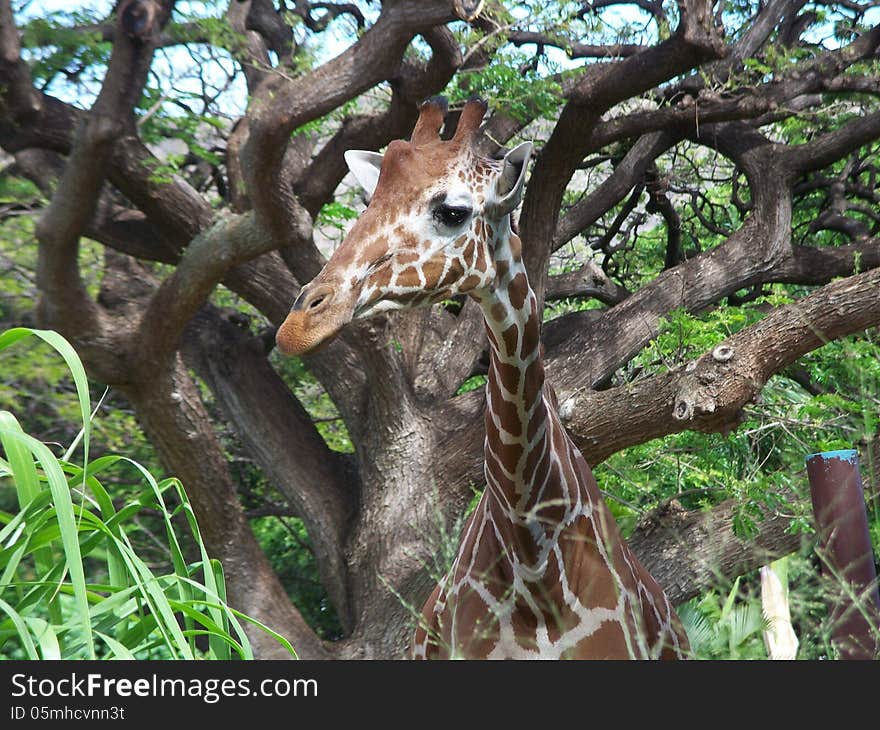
(378, 263)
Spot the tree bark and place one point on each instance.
(317, 483)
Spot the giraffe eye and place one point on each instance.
(450, 215)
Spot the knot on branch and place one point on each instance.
(137, 18)
(692, 400)
(669, 514)
(702, 400)
(723, 353)
(467, 10)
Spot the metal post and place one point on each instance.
(845, 551)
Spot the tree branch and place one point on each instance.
(263, 18)
(749, 255)
(282, 440)
(688, 552)
(587, 281)
(414, 83)
(174, 207)
(252, 54)
(282, 103)
(114, 225)
(709, 393)
(333, 11)
(208, 259)
(20, 101)
(832, 146)
(173, 34)
(603, 85)
(574, 49)
(659, 202)
(627, 173)
(64, 304)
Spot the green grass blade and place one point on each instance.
(133, 613)
(12, 563)
(118, 650)
(47, 639)
(235, 614)
(147, 584)
(22, 519)
(84, 431)
(65, 349)
(731, 597)
(66, 523)
(215, 584)
(21, 630)
(115, 565)
(177, 557)
(27, 485)
(20, 461)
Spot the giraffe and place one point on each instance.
(542, 570)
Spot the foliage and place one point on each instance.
(523, 93)
(473, 383)
(62, 52)
(336, 214)
(724, 629)
(72, 584)
(760, 466)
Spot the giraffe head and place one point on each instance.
(436, 209)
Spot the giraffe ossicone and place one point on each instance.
(542, 570)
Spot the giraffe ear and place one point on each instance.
(365, 168)
(509, 187)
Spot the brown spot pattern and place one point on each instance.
(469, 283)
(511, 338)
(518, 290)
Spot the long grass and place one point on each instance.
(72, 585)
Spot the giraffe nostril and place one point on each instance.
(313, 300)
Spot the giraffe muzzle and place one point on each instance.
(315, 318)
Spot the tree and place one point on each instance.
(684, 167)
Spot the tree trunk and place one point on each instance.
(173, 417)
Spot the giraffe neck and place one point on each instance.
(542, 570)
(522, 429)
